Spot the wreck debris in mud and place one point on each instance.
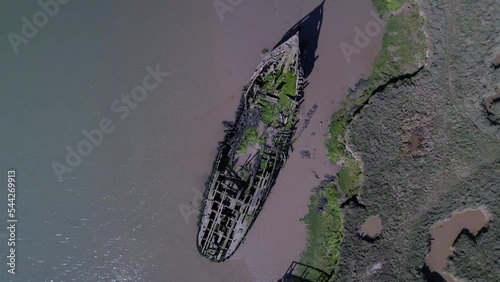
(253, 152)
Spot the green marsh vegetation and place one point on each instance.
(350, 177)
(324, 229)
(386, 6)
(403, 50)
(403, 46)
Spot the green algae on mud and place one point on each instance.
(350, 177)
(324, 228)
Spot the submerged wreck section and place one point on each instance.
(253, 152)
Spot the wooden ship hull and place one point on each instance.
(253, 152)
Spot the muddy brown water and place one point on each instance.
(118, 215)
(445, 232)
(371, 227)
(278, 236)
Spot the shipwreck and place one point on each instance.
(254, 150)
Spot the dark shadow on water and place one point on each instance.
(431, 276)
(309, 28)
